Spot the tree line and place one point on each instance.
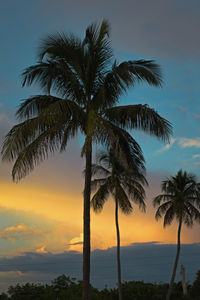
(64, 287)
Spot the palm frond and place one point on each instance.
(100, 170)
(140, 117)
(162, 209)
(169, 216)
(121, 77)
(122, 199)
(61, 46)
(112, 136)
(37, 151)
(98, 54)
(101, 196)
(57, 76)
(96, 183)
(193, 212)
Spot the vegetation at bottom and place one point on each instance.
(64, 287)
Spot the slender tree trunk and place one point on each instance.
(86, 225)
(176, 261)
(184, 284)
(118, 251)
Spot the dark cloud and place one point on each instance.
(158, 28)
(165, 29)
(151, 262)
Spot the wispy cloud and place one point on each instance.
(196, 155)
(167, 146)
(183, 143)
(182, 108)
(19, 231)
(196, 116)
(189, 142)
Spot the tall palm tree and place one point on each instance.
(181, 201)
(82, 85)
(115, 178)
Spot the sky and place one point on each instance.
(41, 216)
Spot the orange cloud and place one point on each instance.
(42, 250)
(19, 231)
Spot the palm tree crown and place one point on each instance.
(88, 86)
(113, 177)
(180, 199)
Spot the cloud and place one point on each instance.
(196, 116)
(42, 250)
(20, 231)
(189, 142)
(183, 143)
(166, 29)
(182, 108)
(167, 146)
(196, 155)
(76, 243)
(151, 262)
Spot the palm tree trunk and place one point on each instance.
(118, 251)
(176, 261)
(86, 225)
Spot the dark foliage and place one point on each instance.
(64, 287)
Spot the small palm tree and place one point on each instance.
(115, 178)
(82, 84)
(180, 200)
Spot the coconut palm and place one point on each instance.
(124, 184)
(181, 201)
(82, 85)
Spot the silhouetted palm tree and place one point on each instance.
(88, 85)
(116, 178)
(181, 201)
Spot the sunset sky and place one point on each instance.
(42, 214)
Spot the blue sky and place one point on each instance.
(167, 31)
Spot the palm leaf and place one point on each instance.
(122, 199)
(140, 117)
(101, 196)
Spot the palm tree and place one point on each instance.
(180, 200)
(82, 85)
(115, 178)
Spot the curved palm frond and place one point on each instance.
(98, 54)
(96, 183)
(169, 216)
(37, 151)
(63, 47)
(57, 76)
(140, 117)
(162, 209)
(121, 77)
(122, 199)
(112, 136)
(101, 196)
(100, 170)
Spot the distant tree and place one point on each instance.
(4, 296)
(115, 178)
(181, 201)
(195, 288)
(28, 291)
